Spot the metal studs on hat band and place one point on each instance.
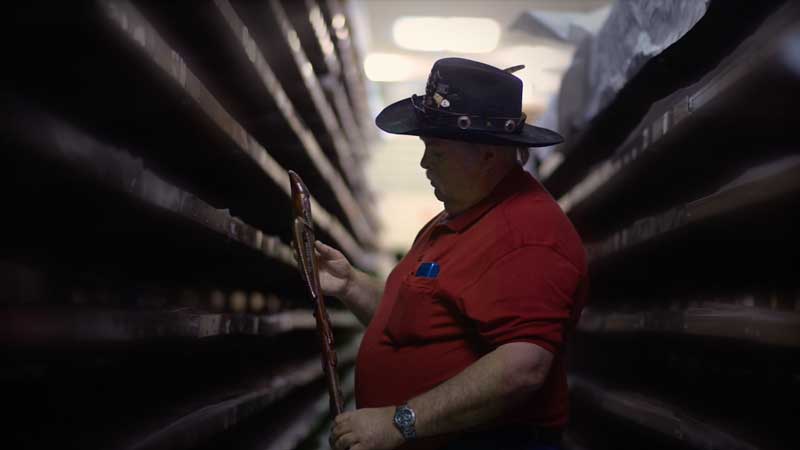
(510, 125)
(464, 122)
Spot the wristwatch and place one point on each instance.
(404, 420)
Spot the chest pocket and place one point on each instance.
(416, 312)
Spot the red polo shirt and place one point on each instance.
(512, 269)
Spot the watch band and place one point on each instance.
(404, 420)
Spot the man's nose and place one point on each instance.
(425, 161)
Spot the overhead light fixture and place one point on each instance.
(544, 57)
(447, 34)
(393, 67)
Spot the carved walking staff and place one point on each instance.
(303, 229)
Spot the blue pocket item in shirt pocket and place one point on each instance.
(428, 270)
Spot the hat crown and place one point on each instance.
(461, 85)
(467, 101)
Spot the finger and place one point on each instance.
(341, 418)
(334, 440)
(340, 427)
(337, 431)
(326, 249)
(322, 256)
(346, 441)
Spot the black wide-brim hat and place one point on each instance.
(469, 101)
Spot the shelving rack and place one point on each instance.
(685, 190)
(150, 298)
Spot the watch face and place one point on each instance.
(405, 418)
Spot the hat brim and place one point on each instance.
(401, 118)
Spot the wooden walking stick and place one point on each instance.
(303, 230)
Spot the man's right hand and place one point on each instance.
(335, 271)
(358, 291)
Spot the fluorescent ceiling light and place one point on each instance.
(544, 58)
(393, 67)
(447, 34)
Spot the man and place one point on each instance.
(464, 348)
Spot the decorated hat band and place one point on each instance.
(465, 121)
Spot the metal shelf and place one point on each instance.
(307, 20)
(309, 416)
(217, 44)
(685, 190)
(178, 395)
(59, 171)
(149, 297)
(138, 29)
(725, 25)
(704, 319)
(199, 423)
(777, 180)
(87, 325)
(691, 130)
(340, 28)
(694, 373)
(170, 117)
(655, 416)
(275, 36)
(347, 160)
(349, 165)
(288, 428)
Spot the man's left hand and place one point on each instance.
(366, 429)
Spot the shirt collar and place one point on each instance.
(515, 181)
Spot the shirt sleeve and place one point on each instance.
(525, 296)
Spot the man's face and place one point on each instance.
(453, 168)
